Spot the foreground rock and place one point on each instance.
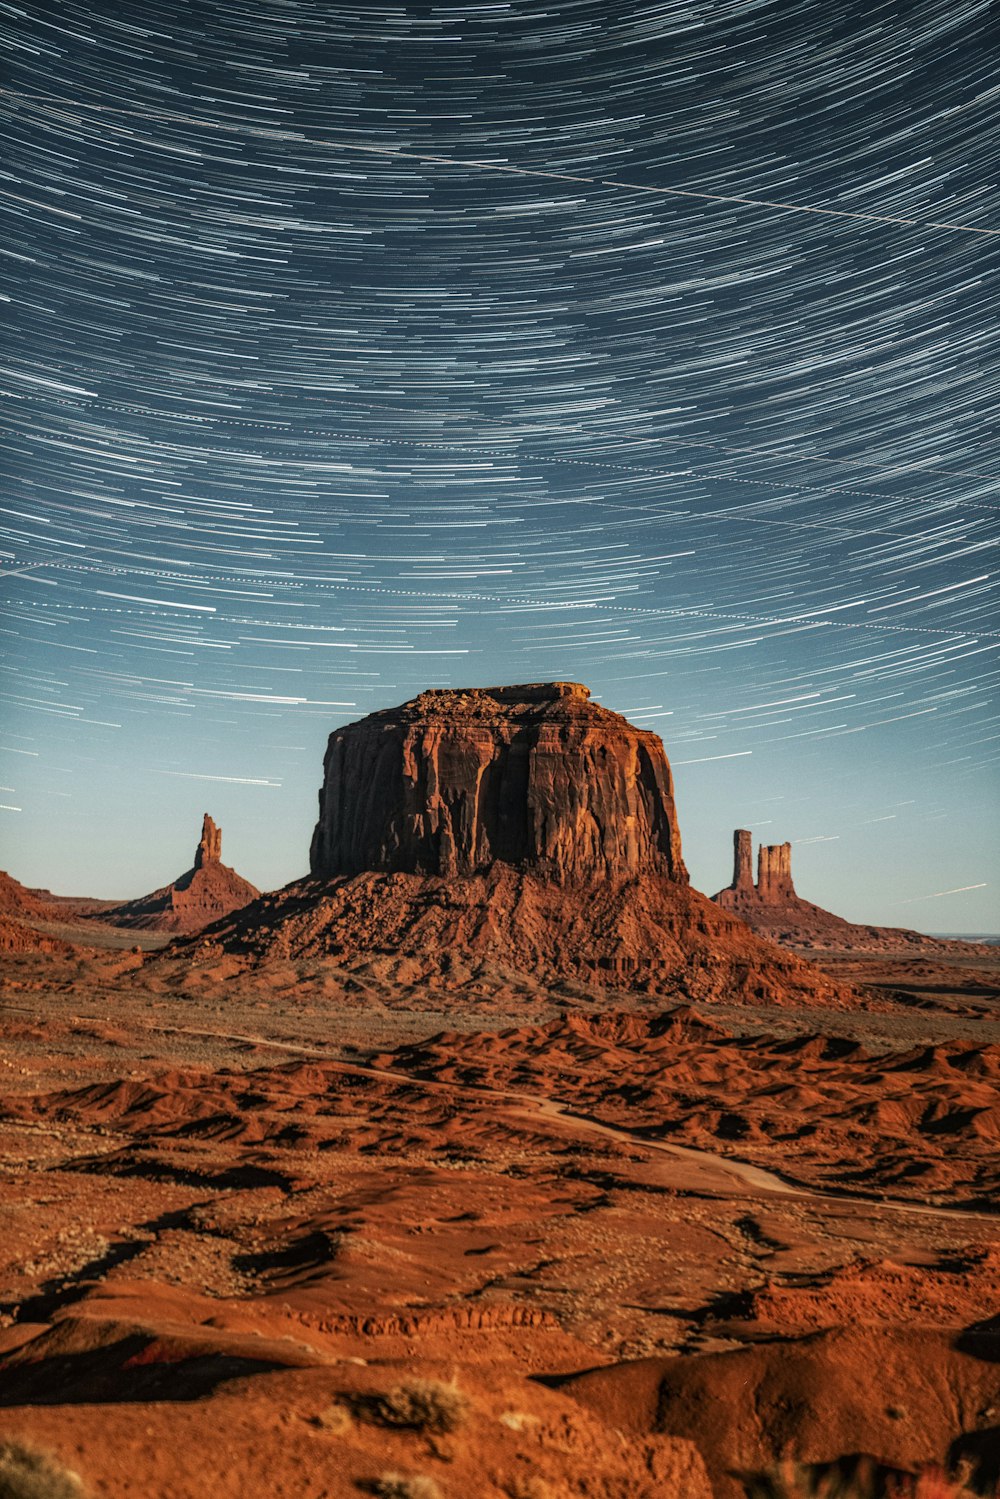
(507, 835)
(815, 1396)
(204, 893)
(773, 909)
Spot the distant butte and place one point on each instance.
(773, 909)
(204, 893)
(505, 839)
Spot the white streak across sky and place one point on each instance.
(356, 348)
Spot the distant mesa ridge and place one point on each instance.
(773, 909)
(502, 840)
(203, 894)
(534, 776)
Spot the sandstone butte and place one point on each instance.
(478, 837)
(773, 909)
(204, 893)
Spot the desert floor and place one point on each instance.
(652, 1246)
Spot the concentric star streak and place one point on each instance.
(358, 348)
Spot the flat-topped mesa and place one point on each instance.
(535, 776)
(774, 873)
(209, 850)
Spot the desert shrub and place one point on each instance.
(793, 1481)
(420, 1404)
(405, 1486)
(336, 1419)
(28, 1474)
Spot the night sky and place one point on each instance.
(352, 349)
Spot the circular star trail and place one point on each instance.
(353, 349)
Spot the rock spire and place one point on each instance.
(202, 894)
(209, 850)
(774, 873)
(773, 909)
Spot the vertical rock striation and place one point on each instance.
(742, 861)
(536, 777)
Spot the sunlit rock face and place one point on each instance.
(535, 776)
(774, 873)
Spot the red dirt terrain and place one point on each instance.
(390, 1184)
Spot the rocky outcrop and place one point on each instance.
(17, 937)
(16, 900)
(773, 909)
(774, 875)
(537, 777)
(503, 840)
(206, 892)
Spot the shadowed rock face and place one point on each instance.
(534, 776)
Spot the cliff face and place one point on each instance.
(536, 777)
(203, 894)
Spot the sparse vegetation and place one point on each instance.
(425, 1405)
(336, 1419)
(518, 1420)
(794, 1481)
(26, 1473)
(405, 1486)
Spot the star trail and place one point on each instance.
(352, 349)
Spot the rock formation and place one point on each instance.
(503, 840)
(534, 777)
(209, 850)
(16, 900)
(742, 862)
(773, 909)
(774, 873)
(204, 893)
